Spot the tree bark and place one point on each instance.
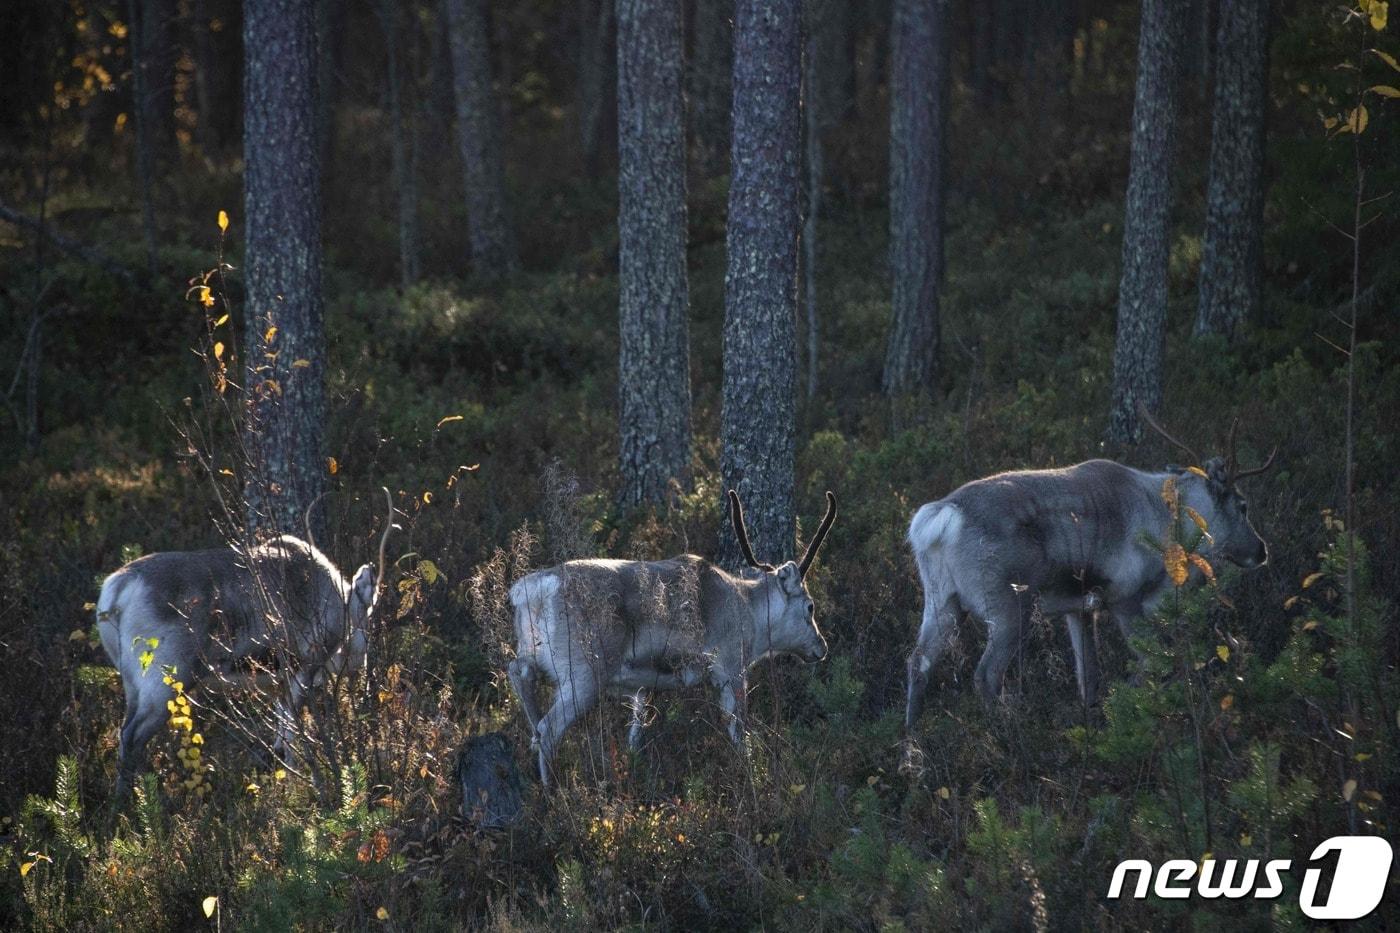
(478, 135)
(812, 110)
(1142, 290)
(330, 26)
(1229, 291)
(282, 266)
(711, 81)
(654, 362)
(760, 367)
(402, 137)
(157, 37)
(594, 86)
(918, 120)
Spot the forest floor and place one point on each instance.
(1265, 723)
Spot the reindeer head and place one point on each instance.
(361, 599)
(784, 609)
(1218, 499)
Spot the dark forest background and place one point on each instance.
(895, 246)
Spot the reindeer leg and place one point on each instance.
(149, 715)
(1006, 628)
(570, 702)
(1086, 662)
(935, 633)
(522, 680)
(638, 702)
(733, 699)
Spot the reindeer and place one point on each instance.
(199, 613)
(1071, 540)
(631, 627)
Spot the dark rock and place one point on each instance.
(490, 781)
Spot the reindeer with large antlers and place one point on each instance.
(279, 605)
(630, 627)
(1071, 541)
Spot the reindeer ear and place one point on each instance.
(790, 577)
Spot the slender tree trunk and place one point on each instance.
(478, 135)
(206, 130)
(812, 109)
(330, 26)
(710, 81)
(1235, 199)
(980, 52)
(594, 71)
(918, 120)
(157, 37)
(758, 424)
(1142, 290)
(282, 265)
(401, 140)
(654, 363)
(145, 143)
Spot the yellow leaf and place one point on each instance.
(1288, 603)
(1174, 560)
(1198, 471)
(1203, 565)
(270, 335)
(1222, 652)
(332, 466)
(1309, 625)
(301, 364)
(223, 221)
(429, 571)
(211, 902)
(1362, 756)
(796, 789)
(1379, 11)
(1169, 495)
(1349, 789)
(1310, 579)
(1246, 841)
(427, 497)
(382, 913)
(944, 793)
(1358, 119)
(1199, 520)
(25, 868)
(449, 419)
(1387, 58)
(1227, 701)
(77, 635)
(221, 321)
(1385, 90)
(146, 658)
(1374, 795)
(218, 350)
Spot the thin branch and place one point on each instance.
(72, 247)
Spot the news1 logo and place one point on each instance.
(1358, 880)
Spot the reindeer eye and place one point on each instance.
(811, 607)
(1244, 507)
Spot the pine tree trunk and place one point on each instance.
(401, 140)
(654, 363)
(813, 106)
(157, 36)
(594, 86)
(479, 138)
(330, 26)
(1235, 199)
(710, 82)
(760, 367)
(145, 140)
(918, 120)
(282, 266)
(1142, 290)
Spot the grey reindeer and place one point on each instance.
(200, 613)
(630, 627)
(1069, 540)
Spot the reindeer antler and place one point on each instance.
(822, 529)
(384, 538)
(1245, 474)
(1230, 460)
(741, 531)
(306, 517)
(1152, 423)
